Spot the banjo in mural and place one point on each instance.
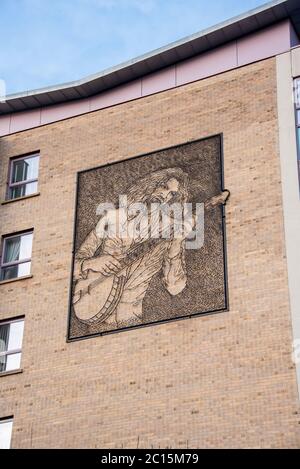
(136, 241)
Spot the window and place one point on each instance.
(5, 432)
(23, 176)
(16, 256)
(297, 103)
(11, 337)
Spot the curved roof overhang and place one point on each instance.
(188, 47)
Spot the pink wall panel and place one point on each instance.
(58, 112)
(25, 120)
(295, 40)
(117, 95)
(4, 124)
(159, 81)
(271, 41)
(207, 64)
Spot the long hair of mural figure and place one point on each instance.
(149, 240)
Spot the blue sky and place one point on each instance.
(46, 42)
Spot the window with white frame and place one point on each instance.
(16, 255)
(11, 338)
(6, 425)
(23, 176)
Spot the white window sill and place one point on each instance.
(11, 372)
(20, 198)
(16, 279)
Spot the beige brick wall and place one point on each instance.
(226, 380)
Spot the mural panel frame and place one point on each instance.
(225, 308)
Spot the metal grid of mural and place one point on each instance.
(149, 242)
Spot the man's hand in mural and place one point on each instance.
(219, 199)
(105, 265)
(176, 248)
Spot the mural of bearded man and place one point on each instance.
(128, 264)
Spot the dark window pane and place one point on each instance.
(18, 191)
(15, 271)
(19, 171)
(12, 249)
(9, 272)
(22, 190)
(25, 169)
(4, 337)
(3, 360)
